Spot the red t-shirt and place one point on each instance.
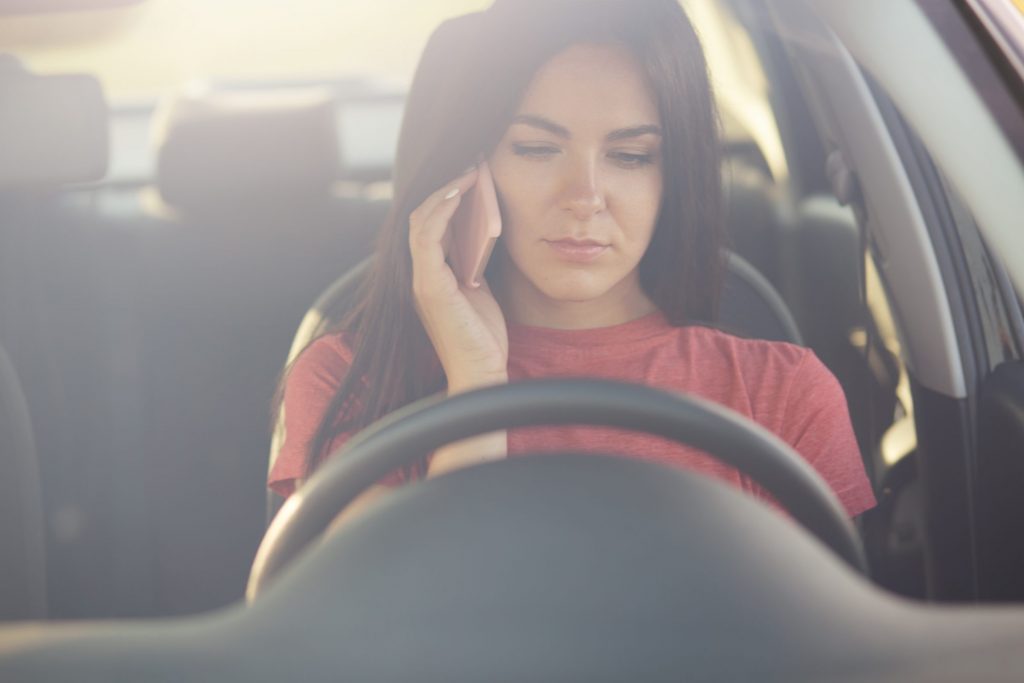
(783, 387)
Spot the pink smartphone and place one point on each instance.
(476, 226)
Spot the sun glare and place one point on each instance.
(146, 49)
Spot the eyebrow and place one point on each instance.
(563, 132)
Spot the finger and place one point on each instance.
(447, 193)
(434, 228)
(428, 240)
(446, 242)
(429, 234)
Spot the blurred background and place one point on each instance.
(143, 50)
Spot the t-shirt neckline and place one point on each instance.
(644, 327)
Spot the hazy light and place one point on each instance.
(144, 50)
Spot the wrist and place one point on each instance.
(461, 384)
(475, 450)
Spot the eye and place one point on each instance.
(534, 151)
(632, 159)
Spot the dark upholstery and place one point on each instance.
(221, 280)
(53, 131)
(22, 565)
(751, 307)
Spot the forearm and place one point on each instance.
(478, 449)
(356, 507)
(492, 446)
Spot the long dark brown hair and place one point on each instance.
(469, 82)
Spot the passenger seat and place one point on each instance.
(55, 133)
(244, 232)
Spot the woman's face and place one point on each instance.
(579, 176)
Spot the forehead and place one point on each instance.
(592, 86)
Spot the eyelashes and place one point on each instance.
(630, 160)
(534, 151)
(544, 152)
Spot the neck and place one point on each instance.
(524, 304)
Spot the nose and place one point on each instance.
(583, 195)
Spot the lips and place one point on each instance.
(576, 250)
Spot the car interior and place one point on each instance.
(161, 263)
(156, 284)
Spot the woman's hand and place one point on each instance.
(466, 326)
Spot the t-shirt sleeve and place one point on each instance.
(310, 385)
(309, 388)
(817, 425)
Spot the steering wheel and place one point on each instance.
(405, 435)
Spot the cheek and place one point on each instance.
(638, 210)
(522, 198)
(527, 195)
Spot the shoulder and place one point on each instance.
(329, 348)
(321, 366)
(792, 393)
(309, 387)
(789, 388)
(753, 355)
(778, 378)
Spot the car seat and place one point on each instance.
(22, 563)
(243, 225)
(55, 133)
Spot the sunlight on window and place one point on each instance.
(144, 50)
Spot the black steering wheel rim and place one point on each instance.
(424, 426)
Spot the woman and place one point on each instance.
(597, 122)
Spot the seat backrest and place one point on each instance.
(219, 149)
(750, 307)
(22, 564)
(58, 131)
(247, 205)
(55, 133)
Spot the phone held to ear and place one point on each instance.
(476, 226)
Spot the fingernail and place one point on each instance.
(451, 193)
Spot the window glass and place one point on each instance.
(899, 438)
(998, 309)
(140, 51)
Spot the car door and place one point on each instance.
(931, 166)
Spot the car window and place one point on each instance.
(997, 304)
(355, 52)
(142, 51)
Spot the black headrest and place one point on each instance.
(53, 129)
(246, 147)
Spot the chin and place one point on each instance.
(574, 289)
